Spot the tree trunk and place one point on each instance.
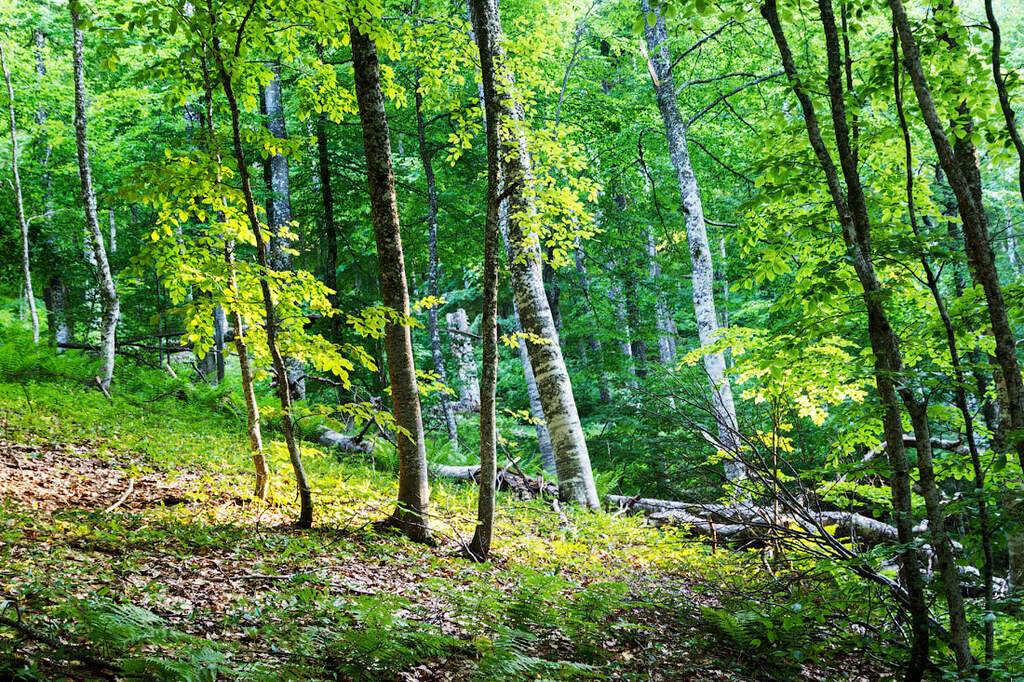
(305, 497)
(26, 268)
(413, 491)
(434, 268)
(980, 255)
(113, 230)
(480, 546)
(881, 337)
(547, 451)
(703, 281)
(575, 476)
(1004, 97)
(55, 293)
(593, 344)
(663, 318)
(279, 208)
(462, 349)
(108, 292)
(621, 315)
(637, 347)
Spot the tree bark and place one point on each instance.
(480, 546)
(703, 281)
(547, 451)
(305, 496)
(462, 349)
(881, 338)
(960, 393)
(434, 268)
(252, 410)
(413, 492)
(575, 476)
(108, 291)
(279, 207)
(19, 202)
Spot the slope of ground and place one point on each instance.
(130, 548)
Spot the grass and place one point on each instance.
(191, 579)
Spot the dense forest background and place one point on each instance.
(749, 269)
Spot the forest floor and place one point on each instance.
(130, 548)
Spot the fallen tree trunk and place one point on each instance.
(339, 441)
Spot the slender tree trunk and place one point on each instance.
(593, 343)
(980, 255)
(26, 267)
(434, 268)
(54, 293)
(279, 208)
(575, 476)
(462, 349)
(305, 497)
(480, 546)
(108, 292)
(638, 349)
(413, 492)
(703, 282)
(330, 226)
(881, 336)
(916, 407)
(621, 315)
(960, 393)
(113, 230)
(1004, 97)
(666, 326)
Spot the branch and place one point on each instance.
(727, 95)
(700, 42)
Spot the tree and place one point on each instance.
(703, 282)
(26, 267)
(305, 519)
(575, 477)
(434, 266)
(108, 290)
(410, 516)
(481, 544)
(279, 206)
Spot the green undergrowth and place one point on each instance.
(192, 579)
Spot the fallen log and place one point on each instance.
(338, 441)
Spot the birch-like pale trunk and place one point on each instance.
(411, 515)
(108, 291)
(279, 208)
(113, 230)
(465, 361)
(19, 202)
(703, 282)
(433, 268)
(575, 476)
(547, 452)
